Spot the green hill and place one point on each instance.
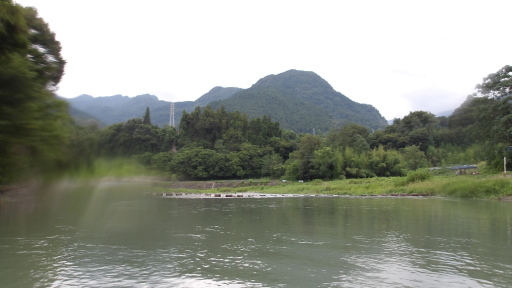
(301, 101)
(217, 93)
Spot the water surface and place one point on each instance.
(111, 235)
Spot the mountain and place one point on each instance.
(83, 118)
(217, 93)
(301, 101)
(115, 109)
(109, 110)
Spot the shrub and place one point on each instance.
(418, 176)
(414, 177)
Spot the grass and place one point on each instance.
(464, 186)
(487, 187)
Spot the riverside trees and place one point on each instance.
(215, 144)
(210, 145)
(34, 125)
(494, 114)
(221, 145)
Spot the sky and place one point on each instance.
(399, 56)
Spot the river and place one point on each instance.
(111, 235)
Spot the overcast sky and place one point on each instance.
(398, 56)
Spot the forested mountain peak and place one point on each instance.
(216, 93)
(301, 101)
(293, 79)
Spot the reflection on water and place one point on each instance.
(112, 236)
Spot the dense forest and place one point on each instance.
(38, 136)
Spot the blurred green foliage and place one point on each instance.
(34, 124)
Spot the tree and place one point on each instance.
(134, 138)
(300, 163)
(497, 85)
(385, 163)
(326, 165)
(13, 29)
(147, 117)
(348, 135)
(359, 144)
(194, 163)
(414, 158)
(251, 159)
(494, 115)
(356, 165)
(44, 51)
(167, 136)
(416, 120)
(200, 163)
(272, 166)
(417, 128)
(261, 130)
(34, 124)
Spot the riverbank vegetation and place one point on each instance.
(445, 185)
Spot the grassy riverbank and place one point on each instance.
(484, 186)
(468, 186)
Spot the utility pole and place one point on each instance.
(171, 121)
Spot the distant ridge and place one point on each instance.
(118, 108)
(299, 100)
(115, 109)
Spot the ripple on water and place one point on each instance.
(396, 263)
(267, 243)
